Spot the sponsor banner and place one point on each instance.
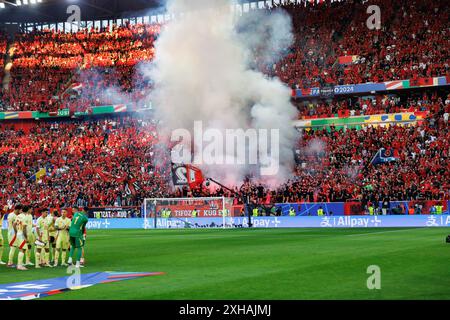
(109, 109)
(327, 92)
(114, 212)
(344, 89)
(11, 115)
(369, 87)
(42, 288)
(343, 120)
(63, 113)
(8, 115)
(113, 218)
(376, 221)
(115, 223)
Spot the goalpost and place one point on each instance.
(201, 212)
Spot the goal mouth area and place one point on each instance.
(163, 213)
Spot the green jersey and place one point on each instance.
(79, 221)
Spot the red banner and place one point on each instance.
(353, 209)
(421, 82)
(195, 176)
(344, 113)
(184, 208)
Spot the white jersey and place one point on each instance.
(11, 220)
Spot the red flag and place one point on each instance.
(195, 176)
(344, 113)
(426, 81)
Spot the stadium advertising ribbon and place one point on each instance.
(42, 288)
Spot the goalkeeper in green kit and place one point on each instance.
(76, 233)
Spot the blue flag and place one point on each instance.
(383, 156)
(41, 173)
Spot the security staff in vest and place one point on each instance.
(439, 208)
(320, 211)
(194, 213)
(224, 212)
(255, 211)
(168, 213)
(371, 210)
(292, 212)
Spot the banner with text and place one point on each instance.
(276, 222)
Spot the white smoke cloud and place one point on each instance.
(204, 71)
(316, 147)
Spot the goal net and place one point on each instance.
(206, 212)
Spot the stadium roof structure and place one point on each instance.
(23, 11)
(56, 11)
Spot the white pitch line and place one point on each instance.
(99, 236)
(378, 232)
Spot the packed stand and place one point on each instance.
(100, 163)
(335, 165)
(46, 64)
(413, 42)
(370, 105)
(121, 161)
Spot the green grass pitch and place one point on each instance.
(262, 264)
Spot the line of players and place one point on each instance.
(51, 235)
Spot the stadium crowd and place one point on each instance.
(46, 65)
(120, 161)
(411, 43)
(335, 165)
(95, 162)
(370, 105)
